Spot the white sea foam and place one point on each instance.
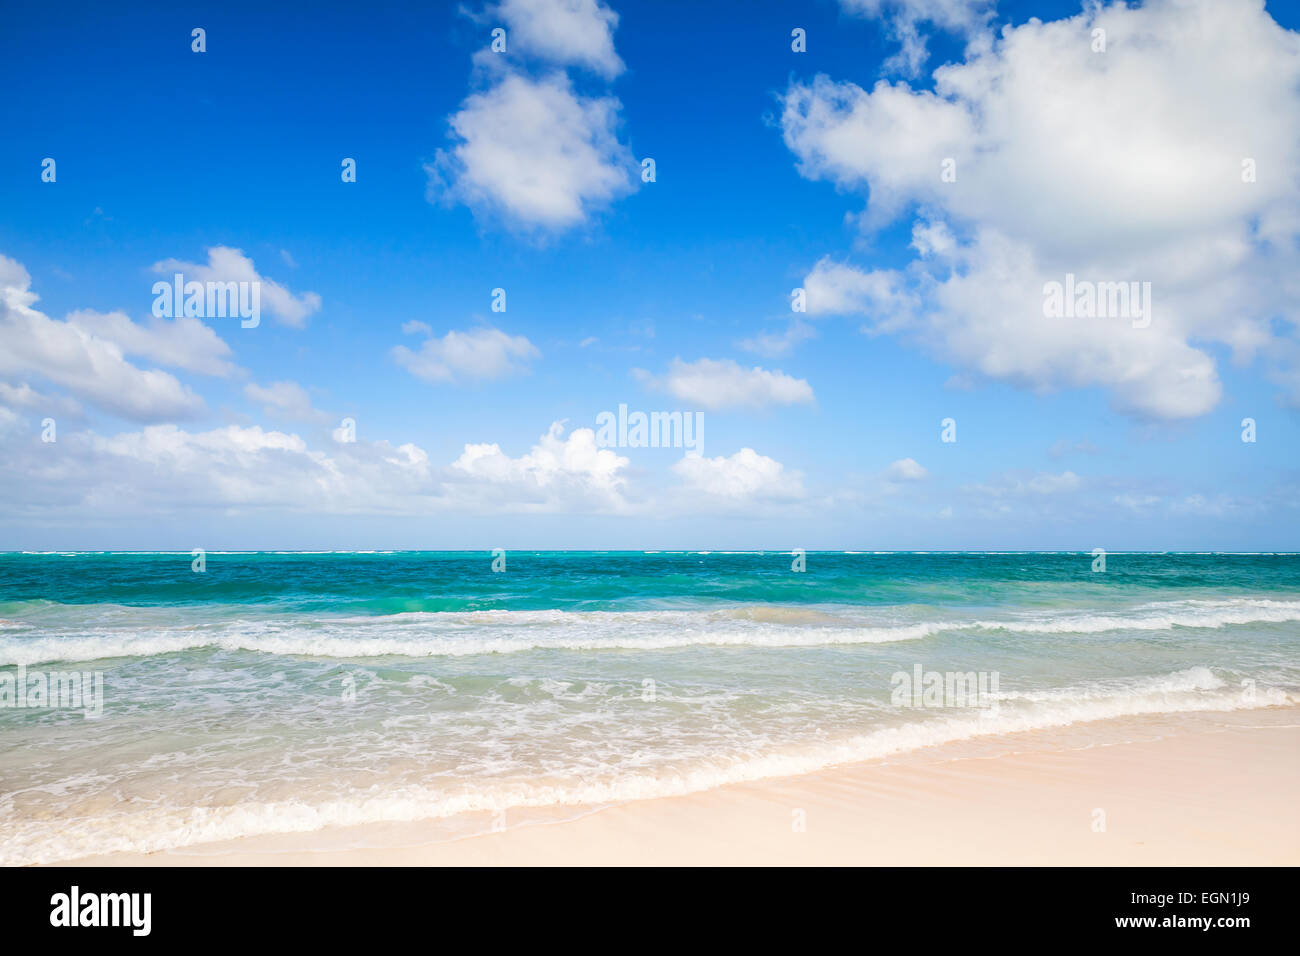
(456, 634)
(361, 641)
(1157, 617)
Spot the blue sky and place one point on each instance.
(775, 170)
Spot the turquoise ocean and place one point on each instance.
(291, 692)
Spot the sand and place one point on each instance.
(1198, 796)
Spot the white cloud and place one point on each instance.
(558, 473)
(24, 396)
(906, 469)
(890, 140)
(284, 399)
(183, 342)
(165, 469)
(480, 353)
(988, 316)
(715, 384)
(87, 364)
(20, 395)
(563, 32)
(168, 470)
(837, 288)
(745, 476)
(535, 152)
(231, 265)
(1118, 166)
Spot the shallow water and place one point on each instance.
(288, 692)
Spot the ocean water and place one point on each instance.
(290, 692)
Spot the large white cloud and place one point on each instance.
(82, 355)
(480, 353)
(534, 152)
(716, 384)
(1123, 165)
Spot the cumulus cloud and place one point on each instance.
(745, 476)
(79, 355)
(526, 148)
(231, 265)
(535, 152)
(906, 469)
(838, 288)
(480, 353)
(563, 32)
(988, 316)
(716, 384)
(1122, 166)
(572, 474)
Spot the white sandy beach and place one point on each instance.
(1201, 796)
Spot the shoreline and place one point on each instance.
(1183, 796)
